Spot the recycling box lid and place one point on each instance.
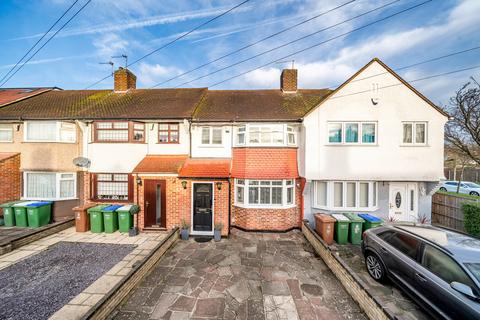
(39, 204)
(340, 217)
(23, 203)
(369, 217)
(125, 208)
(111, 208)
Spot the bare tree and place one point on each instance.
(463, 130)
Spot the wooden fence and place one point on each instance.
(447, 211)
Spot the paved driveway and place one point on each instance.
(248, 276)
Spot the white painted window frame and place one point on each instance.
(210, 136)
(58, 128)
(360, 133)
(7, 127)
(372, 196)
(284, 186)
(58, 178)
(287, 130)
(414, 134)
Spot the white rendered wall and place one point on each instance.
(211, 151)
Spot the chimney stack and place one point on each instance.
(124, 80)
(288, 80)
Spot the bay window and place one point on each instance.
(414, 133)
(6, 133)
(111, 186)
(49, 185)
(50, 131)
(212, 135)
(345, 195)
(264, 193)
(119, 131)
(352, 133)
(266, 135)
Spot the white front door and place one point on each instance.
(403, 202)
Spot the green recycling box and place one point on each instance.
(110, 219)
(20, 210)
(125, 217)
(8, 214)
(39, 213)
(96, 218)
(341, 228)
(356, 227)
(370, 221)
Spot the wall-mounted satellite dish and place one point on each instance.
(81, 162)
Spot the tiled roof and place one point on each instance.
(7, 155)
(160, 164)
(105, 104)
(10, 95)
(205, 168)
(265, 163)
(257, 105)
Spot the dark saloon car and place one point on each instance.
(438, 268)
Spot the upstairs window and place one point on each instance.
(414, 133)
(266, 135)
(352, 133)
(212, 135)
(50, 131)
(111, 186)
(168, 133)
(119, 131)
(6, 133)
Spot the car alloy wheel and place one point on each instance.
(474, 193)
(374, 267)
(443, 189)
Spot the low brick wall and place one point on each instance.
(352, 283)
(35, 234)
(118, 293)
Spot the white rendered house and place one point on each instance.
(375, 145)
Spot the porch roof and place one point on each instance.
(160, 164)
(205, 168)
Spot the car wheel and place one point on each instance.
(474, 193)
(443, 189)
(375, 267)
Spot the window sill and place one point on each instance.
(47, 199)
(415, 145)
(351, 144)
(245, 206)
(60, 142)
(6, 141)
(168, 143)
(346, 209)
(277, 146)
(218, 146)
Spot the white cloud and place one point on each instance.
(150, 74)
(109, 45)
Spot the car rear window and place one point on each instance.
(474, 268)
(405, 244)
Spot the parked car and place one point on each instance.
(438, 268)
(465, 187)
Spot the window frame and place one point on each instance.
(419, 248)
(130, 131)
(94, 187)
(58, 130)
(414, 133)
(210, 136)
(287, 130)
(343, 128)
(330, 195)
(168, 131)
(246, 190)
(58, 178)
(7, 127)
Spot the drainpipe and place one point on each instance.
(303, 183)
(229, 206)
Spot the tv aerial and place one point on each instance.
(108, 62)
(124, 56)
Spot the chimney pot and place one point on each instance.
(288, 80)
(124, 80)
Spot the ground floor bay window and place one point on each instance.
(252, 193)
(346, 195)
(49, 185)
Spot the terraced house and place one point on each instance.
(253, 159)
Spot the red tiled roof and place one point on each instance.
(205, 168)
(264, 163)
(7, 155)
(160, 164)
(16, 94)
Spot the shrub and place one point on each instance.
(471, 216)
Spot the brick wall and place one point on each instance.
(10, 178)
(288, 80)
(265, 163)
(124, 80)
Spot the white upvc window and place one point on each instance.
(345, 195)
(50, 131)
(264, 193)
(212, 136)
(414, 133)
(266, 135)
(352, 132)
(6, 132)
(49, 185)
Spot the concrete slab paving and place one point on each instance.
(247, 276)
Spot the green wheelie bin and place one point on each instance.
(356, 227)
(341, 228)
(8, 214)
(96, 218)
(110, 219)
(125, 217)
(20, 211)
(39, 213)
(370, 221)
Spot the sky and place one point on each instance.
(106, 28)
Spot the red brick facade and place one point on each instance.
(10, 177)
(265, 163)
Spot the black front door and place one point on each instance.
(202, 207)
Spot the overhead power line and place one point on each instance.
(323, 42)
(45, 43)
(289, 43)
(255, 43)
(38, 41)
(176, 39)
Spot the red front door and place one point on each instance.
(154, 203)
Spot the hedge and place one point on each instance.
(471, 216)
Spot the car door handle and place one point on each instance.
(420, 277)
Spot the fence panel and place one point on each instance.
(447, 211)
